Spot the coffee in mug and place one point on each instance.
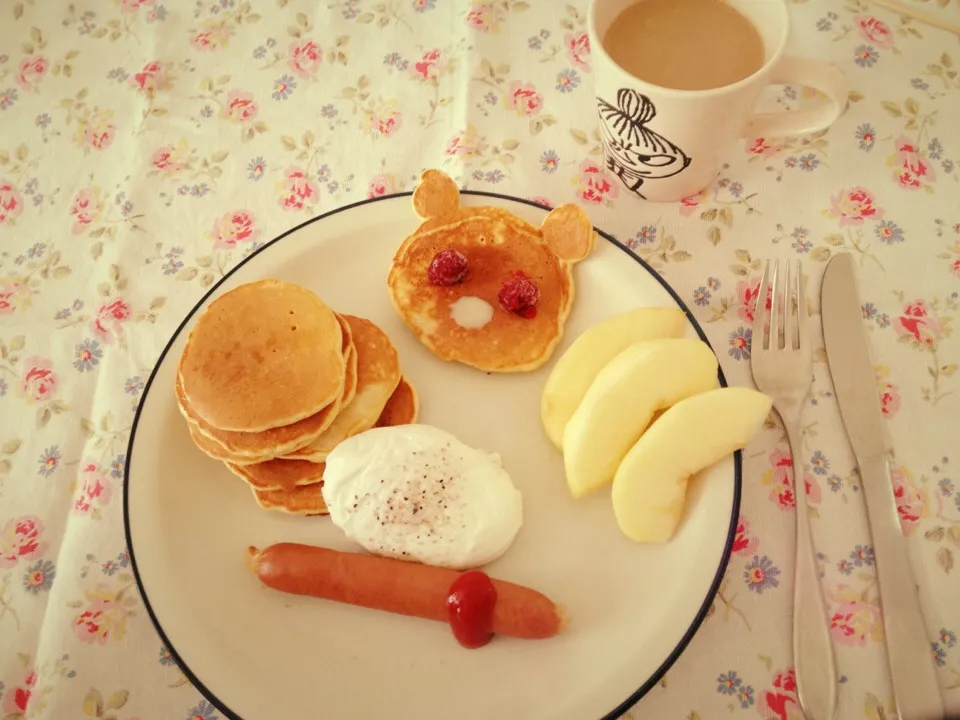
(685, 44)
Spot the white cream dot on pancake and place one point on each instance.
(471, 312)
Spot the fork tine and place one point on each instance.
(803, 338)
(789, 296)
(760, 311)
(776, 309)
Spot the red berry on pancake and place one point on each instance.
(519, 295)
(448, 267)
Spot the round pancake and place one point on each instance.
(265, 444)
(215, 450)
(302, 498)
(350, 377)
(279, 474)
(495, 250)
(402, 408)
(378, 374)
(264, 355)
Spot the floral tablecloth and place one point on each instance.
(146, 146)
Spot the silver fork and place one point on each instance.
(782, 365)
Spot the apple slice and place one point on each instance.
(648, 376)
(578, 366)
(651, 483)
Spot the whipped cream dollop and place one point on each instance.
(415, 492)
(471, 312)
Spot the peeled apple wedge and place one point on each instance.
(650, 485)
(648, 376)
(591, 351)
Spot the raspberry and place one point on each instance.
(448, 267)
(520, 295)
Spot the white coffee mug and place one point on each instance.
(665, 144)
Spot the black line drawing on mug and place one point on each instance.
(635, 152)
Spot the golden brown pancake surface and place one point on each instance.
(263, 355)
(495, 250)
(402, 408)
(498, 246)
(266, 443)
(278, 474)
(378, 373)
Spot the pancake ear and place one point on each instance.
(568, 232)
(437, 195)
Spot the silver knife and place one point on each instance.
(912, 669)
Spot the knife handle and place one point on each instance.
(912, 670)
(812, 646)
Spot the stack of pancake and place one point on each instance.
(271, 380)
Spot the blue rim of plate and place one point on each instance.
(681, 645)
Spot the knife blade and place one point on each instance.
(912, 669)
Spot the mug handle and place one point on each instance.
(812, 73)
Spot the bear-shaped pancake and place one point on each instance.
(481, 286)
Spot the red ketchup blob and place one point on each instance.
(470, 606)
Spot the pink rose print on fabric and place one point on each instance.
(305, 57)
(104, 619)
(464, 145)
(132, 6)
(915, 321)
(168, 160)
(889, 394)
(854, 621)
(912, 170)
(232, 228)
(151, 78)
(13, 296)
(853, 207)
(595, 187)
(16, 700)
(482, 17)
(781, 702)
(540, 200)
(384, 121)
(96, 131)
(383, 184)
(875, 31)
(744, 543)
(86, 208)
(524, 99)
(240, 107)
(762, 147)
(20, 540)
(747, 293)
(691, 204)
(94, 492)
(212, 35)
(780, 478)
(955, 268)
(11, 202)
(39, 381)
(107, 324)
(298, 190)
(430, 66)
(913, 505)
(31, 71)
(578, 49)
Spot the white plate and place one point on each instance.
(259, 654)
